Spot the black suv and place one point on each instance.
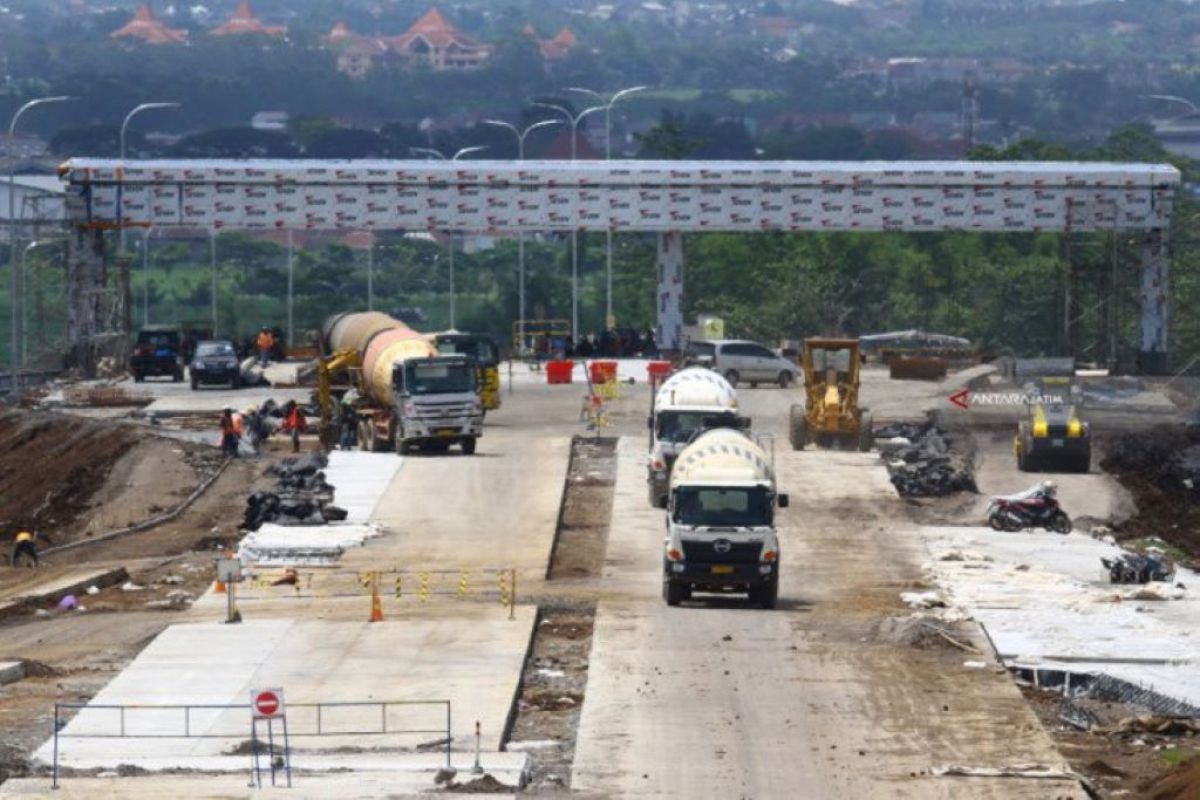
(216, 361)
(157, 352)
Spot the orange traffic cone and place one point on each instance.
(376, 605)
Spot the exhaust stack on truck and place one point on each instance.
(409, 395)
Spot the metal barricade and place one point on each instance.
(307, 719)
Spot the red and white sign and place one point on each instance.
(267, 703)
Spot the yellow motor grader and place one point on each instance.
(830, 416)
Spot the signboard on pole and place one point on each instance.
(267, 704)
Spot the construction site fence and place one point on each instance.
(232, 721)
(496, 584)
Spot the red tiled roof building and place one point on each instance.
(145, 27)
(243, 21)
(434, 41)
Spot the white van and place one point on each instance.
(742, 361)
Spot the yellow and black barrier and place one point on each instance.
(423, 585)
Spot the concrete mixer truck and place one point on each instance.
(408, 395)
(687, 403)
(721, 521)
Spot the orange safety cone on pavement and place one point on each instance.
(376, 604)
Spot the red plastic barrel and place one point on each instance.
(559, 371)
(658, 370)
(603, 371)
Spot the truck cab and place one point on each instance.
(688, 403)
(487, 359)
(721, 532)
(437, 403)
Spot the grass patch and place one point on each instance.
(1176, 756)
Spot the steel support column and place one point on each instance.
(1153, 322)
(85, 289)
(670, 290)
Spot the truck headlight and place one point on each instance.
(1040, 429)
(1074, 428)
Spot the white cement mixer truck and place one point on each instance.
(721, 534)
(687, 403)
(409, 396)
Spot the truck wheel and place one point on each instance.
(766, 595)
(468, 446)
(784, 380)
(798, 427)
(237, 381)
(675, 593)
(177, 377)
(731, 377)
(138, 377)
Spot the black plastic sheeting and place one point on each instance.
(301, 495)
(929, 466)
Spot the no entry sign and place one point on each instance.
(267, 703)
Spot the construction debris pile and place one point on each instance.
(922, 461)
(1164, 457)
(301, 496)
(1136, 568)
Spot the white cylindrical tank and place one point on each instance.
(695, 387)
(722, 457)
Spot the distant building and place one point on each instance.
(555, 49)
(144, 27)
(244, 22)
(269, 121)
(38, 204)
(432, 41)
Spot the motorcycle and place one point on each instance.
(1017, 512)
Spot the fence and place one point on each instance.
(216, 721)
(423, 585)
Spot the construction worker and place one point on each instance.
(349, 420)
(231, 432)
(265, 344)
(24, 552)
(294, 422)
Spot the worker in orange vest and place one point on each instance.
(294, 421)
(265, 344)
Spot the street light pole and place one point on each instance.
(146, 276)
(371, 271)
(574, 120)
(212, 258)
(608, 234)
(430, 152)
(25, 299)
(521, 134)
(124, 126)
(291, 266)
(14, 309)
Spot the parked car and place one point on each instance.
(158, 351)
(742, 361)
(216, 361)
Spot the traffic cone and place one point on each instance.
(376, 605)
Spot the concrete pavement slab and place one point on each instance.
(11, 671)
(498, 508)
(475, 664)
(395, 786)
(360, 480)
